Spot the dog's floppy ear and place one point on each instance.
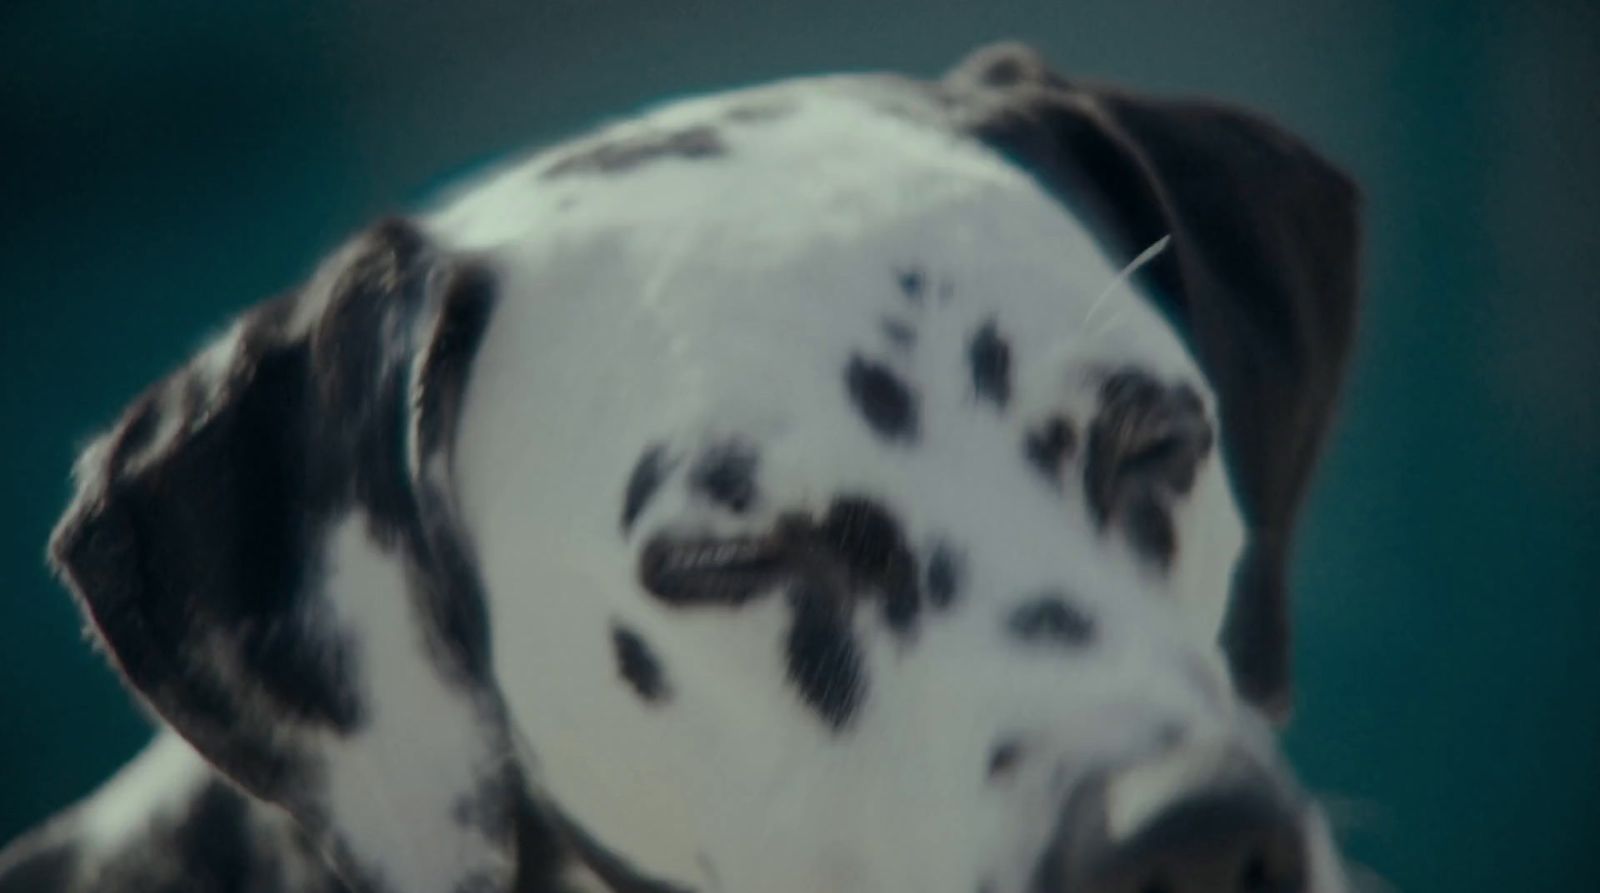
(1261, 278)
(266, 547)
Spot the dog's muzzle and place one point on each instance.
(1199, 820)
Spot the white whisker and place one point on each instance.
(1132, 267)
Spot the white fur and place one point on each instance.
(689, 299)
(392, 786)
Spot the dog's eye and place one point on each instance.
(1147, 438)
(728, 570)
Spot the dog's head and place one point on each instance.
(851, 484)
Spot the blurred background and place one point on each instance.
(163, 164)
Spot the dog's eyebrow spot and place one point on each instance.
(725, 474)
(648, 472)
(886, 403)
(1049, 445)
(637, 664)
(699, 571)
(1051, 618)
(616, 154)
(989, 355)
(945, 573)
(824, 661)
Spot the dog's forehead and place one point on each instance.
(847, 303)
(723, 263)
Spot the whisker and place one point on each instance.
(1132, 267)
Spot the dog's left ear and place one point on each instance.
(1261, 278)
(266, 545)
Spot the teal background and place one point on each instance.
(164, 164)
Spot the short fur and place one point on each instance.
(826, 486)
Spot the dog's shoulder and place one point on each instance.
(167, 822)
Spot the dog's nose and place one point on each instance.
(1194, 822)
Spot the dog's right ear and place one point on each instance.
(266, 545)
(1261, 281)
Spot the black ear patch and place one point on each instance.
(200, 538)
(466, 306)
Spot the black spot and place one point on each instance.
(620, 154)
(945, 572)
(1145, 447)
(726, 475)
(454, 602)
(203, 567)
(683, 571)
(464, 313)
(990, 358)
(1145, 434)
(824, 662)
(615, 872)
(361, 371)
(544, 855)
(224, 513)
(867, 540)
(1049, 445)
(490, 805)
(899, 332)
(1149, 527)
(1051, 618)
(863, 534)
(1004, 757)
(913, 284)
(213, 842)
(887, 403)
(638, 664)
(648, 472)
(37, 865)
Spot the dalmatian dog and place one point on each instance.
(852, 484)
